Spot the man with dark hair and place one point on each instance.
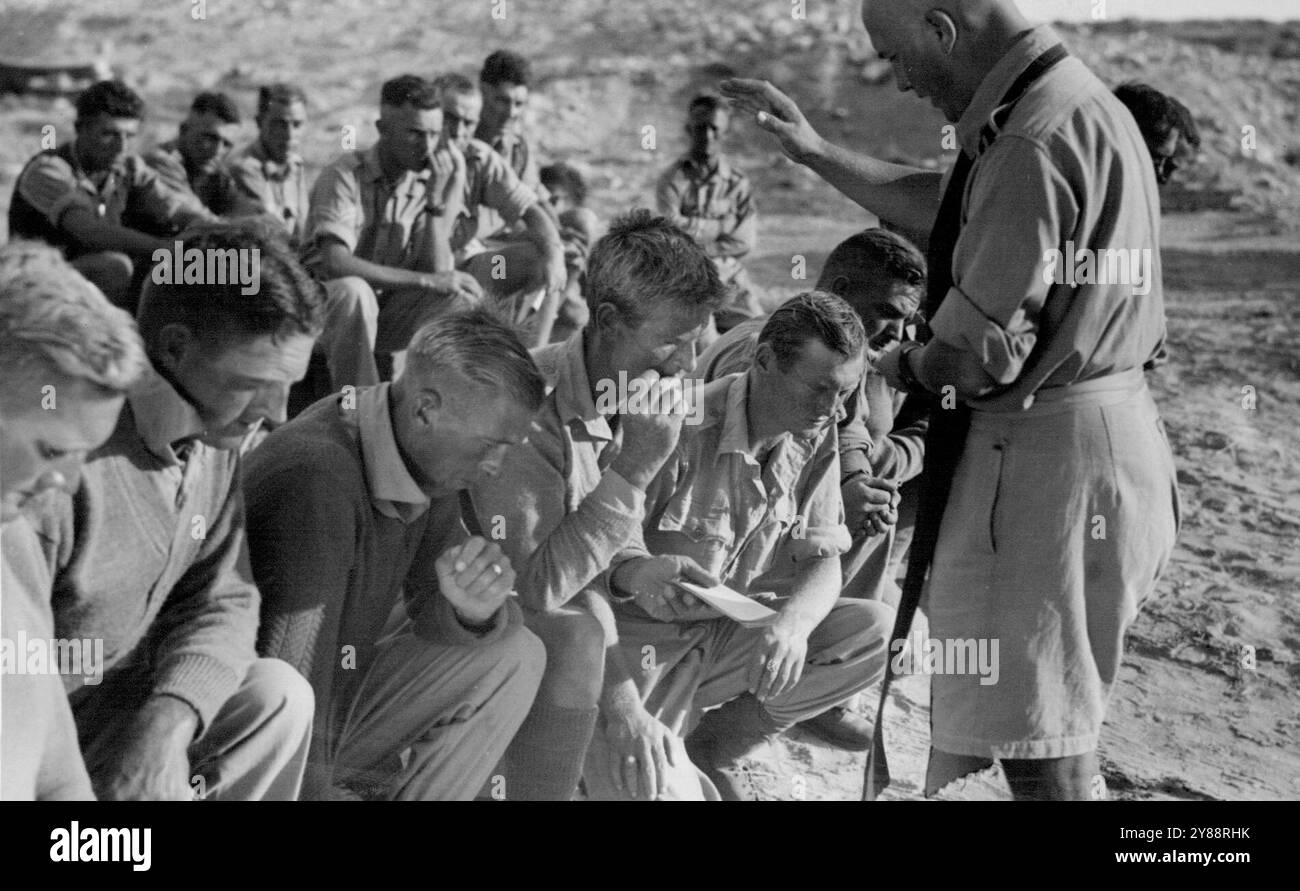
(570, 498)
(712, 200)
(97, 201)
(566, 192)
(379, 233)
(381, 472)
(67, 356)
(881, 437)
(195, 160)
(750, 498)
(505, 81)
(149, 553)
(1166, 124)
(528, 275)
(269, 170)
(1042, 429)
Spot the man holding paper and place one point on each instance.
(752, 495)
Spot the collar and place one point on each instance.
(374, 171)
(988, 96)
(735, 422)
(573, 390)
(117, 172)
(274, 169)
(393, 491)
(163, 419)
(695, 171)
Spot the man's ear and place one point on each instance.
(175, 342)
(765, 358)
(607, 319)
(945, 29)
(839, 285)
(428, 403)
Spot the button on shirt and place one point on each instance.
(747, 522)
(279, 190)
(1068, 166)
(376, 220)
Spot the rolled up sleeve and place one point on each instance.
(49, 185)
(504, 191)
(999, 286)
(822, 510)
(335, 209)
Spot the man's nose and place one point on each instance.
(60, 477)
(682, 361)
(271, 404)
(494, 459)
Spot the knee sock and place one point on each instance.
(545, 759)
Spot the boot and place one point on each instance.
(725, 739)
(841, 727)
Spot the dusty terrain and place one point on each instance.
(1189, 719)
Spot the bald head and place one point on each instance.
(942, 49)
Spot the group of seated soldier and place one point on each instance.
(463, 573)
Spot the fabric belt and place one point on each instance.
(1100, 391)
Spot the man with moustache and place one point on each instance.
(149, 552)
(1050, 506)
(67, 357)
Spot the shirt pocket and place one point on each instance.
(706, 520)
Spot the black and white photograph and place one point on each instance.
(677, 400)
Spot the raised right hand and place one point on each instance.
(778, 114)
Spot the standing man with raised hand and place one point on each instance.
(379, 230)
(1050, 506)
(67, 357)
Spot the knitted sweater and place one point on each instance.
(164, 581)
(332, 567)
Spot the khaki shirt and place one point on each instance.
(279, 190)
(750, 524)
(376, 220)
(1069, 168)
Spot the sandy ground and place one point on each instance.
(1187, 720)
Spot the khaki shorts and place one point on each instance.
(1060, 521)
